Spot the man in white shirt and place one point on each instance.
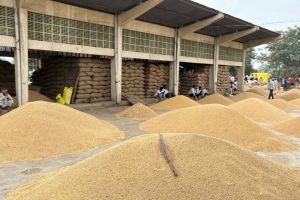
(160, 93)
(192, 92)
(204, 92)
(271, 89)
(6, 101)
(199, 92)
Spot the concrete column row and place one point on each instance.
(21, 60)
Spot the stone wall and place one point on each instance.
(197, 75)
(93, 74)
(223, 79)
(7, 77)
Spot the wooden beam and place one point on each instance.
(200, 24)
(262, 41)
(236, 35)
(137, 11)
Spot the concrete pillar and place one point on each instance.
(21, 53)
(214, 72)
(116, 65)
(241, 73)
(211, 79)
(174, 66)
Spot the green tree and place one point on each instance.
(283, 57)
(250, 57)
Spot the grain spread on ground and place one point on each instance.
(284, 105)
(208, 168)
(137, 112)
(259, 90)
(42, 130)
(260, 111)
(247, 95)
(218, 121)
(296, 102)
(291, 127)
(290, 95)
(216, 99)
(174, 103)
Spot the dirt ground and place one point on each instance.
(13, 175)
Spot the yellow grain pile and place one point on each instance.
(247, 95)
(217, 121)
(296, 102)
(207, 168)
(290, 95)
(260, 111)
(291, 127)
(284, 105)
(174, 103)
(137, 112)
(41, 130)
(246, 88)
(259, 90)
(216, 99)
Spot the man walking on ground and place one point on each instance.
(271, 89)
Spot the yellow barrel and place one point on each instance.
(60, 100)
(67, 95)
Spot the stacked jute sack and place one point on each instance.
(157, 75)
(223, 79)
(197, 76)
(92, 76)
(94, 83)
(133, 79)
(7, 77)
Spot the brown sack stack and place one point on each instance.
(133, 79)
(93, 77)
(198, 76)
(157, 75)
(94, 83)
(223, 79)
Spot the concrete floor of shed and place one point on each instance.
(15, 174)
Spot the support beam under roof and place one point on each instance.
(262, 41)
(200, 24)
(132, 14)
(237, 35)
(27, 3)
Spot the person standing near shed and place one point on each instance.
(271, 89)
(6, 101)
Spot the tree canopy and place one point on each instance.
(283, 57)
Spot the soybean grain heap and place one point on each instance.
(207, 168)
(221, 122)
(42, 130)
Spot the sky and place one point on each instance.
(272, 14)
(276, 15)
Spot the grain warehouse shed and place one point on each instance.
(108, 49)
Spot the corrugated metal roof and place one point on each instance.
(177, 13)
